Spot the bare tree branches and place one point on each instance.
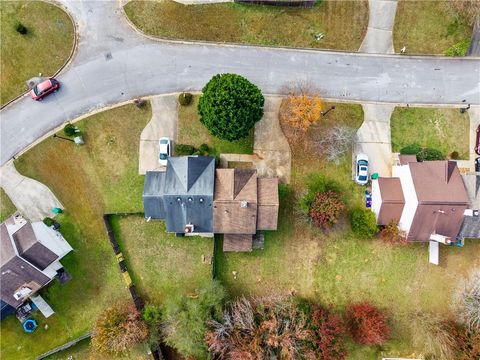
(336, 142)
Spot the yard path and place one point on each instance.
(270, 144)
(378, 39)
(32, 199)
(163, 124)
(114, 64)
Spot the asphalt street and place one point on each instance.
(114, 63)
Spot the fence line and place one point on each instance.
(64, 346)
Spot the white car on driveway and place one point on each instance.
(165, 149)
(361, 169)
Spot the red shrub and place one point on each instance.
(391, 234)
(325, 209)
(367, 324)
(328, 335)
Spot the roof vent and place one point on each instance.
(22, 293)
(189, 228)
(244, 204)
(18, 219)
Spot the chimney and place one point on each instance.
(244, 204)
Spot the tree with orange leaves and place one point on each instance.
(303, 110)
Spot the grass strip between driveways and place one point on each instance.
(446, 130)
(44, 49)
(428, 27)
(328, 25)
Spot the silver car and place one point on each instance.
(361, 169)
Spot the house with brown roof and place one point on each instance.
(30, 254)
(427, 199)
(194, 198)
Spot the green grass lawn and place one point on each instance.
(192, 132)
(428, 27)
(44, 49)
(343, 23)
(99, 177)
(337, 268)
(6, 206)
(444, 129)
(162, 265)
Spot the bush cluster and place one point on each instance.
(183, 149)
(185, 99)
(364, 223)
(70, 130)
(326, 208)
(230, 106)
(422, 153)
(390, 234)
(458, 49)
(20, 28)
(367, 324)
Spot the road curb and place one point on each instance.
(73, 50)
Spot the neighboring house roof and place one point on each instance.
(442, 199)
(393, 200)
(470, 228)
(472, 184)
(183, 194)
(405, 159)
(23, 256)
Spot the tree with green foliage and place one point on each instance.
(230, 106)
(184, 319)
(422, 153)
(363, 222)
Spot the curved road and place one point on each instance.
(114, 63)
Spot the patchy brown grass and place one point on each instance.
(343, 23)
(6, 206)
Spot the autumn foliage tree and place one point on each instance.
(303, 110)
(117, 329)
(367, 324)
(326, 209)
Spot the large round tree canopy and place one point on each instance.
(230, 106)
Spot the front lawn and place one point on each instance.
(337, 268)
(342, 24)
(6, 206)
(91, 180)
(44, 49)
(162, 265)
(192, 132)
(446, 130)
(429, 27)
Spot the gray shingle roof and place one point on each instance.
(183, 194)
(470, 228)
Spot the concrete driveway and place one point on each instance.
(162, 124)
(374, 138)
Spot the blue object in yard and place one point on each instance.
(57, 210)
(30, 325)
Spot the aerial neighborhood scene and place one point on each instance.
(240, 179)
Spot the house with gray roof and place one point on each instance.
(194, 198)
(30, 254)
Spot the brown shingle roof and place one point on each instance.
(405, 159)
(392, 200)
(224, 184)
(230, 218)
(442, 199)
(233, 242)
(268, 202)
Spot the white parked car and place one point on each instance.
(361, 169)
(164, 150)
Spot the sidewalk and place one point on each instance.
(34, 200)
(378, 39)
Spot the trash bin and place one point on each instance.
(374, 176)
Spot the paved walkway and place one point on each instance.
(373, 138)
(34, 200)
(469, 165)
(162, 124)
(378, 39)
(114, 64)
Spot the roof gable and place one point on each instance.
(187, 171)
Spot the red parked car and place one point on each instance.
(44, 88)
(477, 143)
